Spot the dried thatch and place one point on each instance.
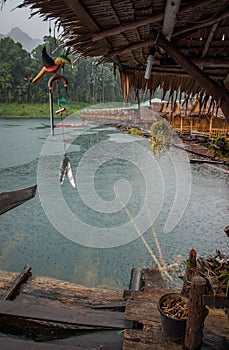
(120, 31)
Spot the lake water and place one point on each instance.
(90, 234)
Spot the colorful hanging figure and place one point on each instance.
(51, 66)
(65, 170)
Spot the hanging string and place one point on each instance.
(50, 29)
(61, 116)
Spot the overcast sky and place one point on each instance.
(35, 27)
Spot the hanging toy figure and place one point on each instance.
(51, 66)
(65, 170)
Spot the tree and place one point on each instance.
(15, 62)
(88, 81)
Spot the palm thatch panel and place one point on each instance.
(121, 31)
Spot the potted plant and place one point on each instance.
(173, 308)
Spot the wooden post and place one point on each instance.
(210, 126)
(189, 273)
(197, 313)
(135, 282)
(16, 283)
(51, 112)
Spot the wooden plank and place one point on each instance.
(8, 294)
(115, 305)
(16, 344)
(76, 316)
(153, 278)
(50, 291)
(10, 200)
(142, 312)
(194, 160)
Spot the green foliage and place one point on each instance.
(160, 137)
(187, 263)
(135, 131)
(220, 147)
(88, 82)
(30, 110)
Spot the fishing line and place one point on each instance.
(60, 111)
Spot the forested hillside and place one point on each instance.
(88, 81)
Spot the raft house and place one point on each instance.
(182, 47)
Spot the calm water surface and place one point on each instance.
(27, 236)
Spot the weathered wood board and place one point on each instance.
(77, 316)
(13, 288)
(10, 200)
(15, 344)
(49, 291)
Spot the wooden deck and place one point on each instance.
(142, 308)
(15, 344)
(55, 313)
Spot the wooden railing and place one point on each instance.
(188, 130)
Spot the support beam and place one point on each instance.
(209, 39)
(78, 9)
(202, 25)
(216, 89)
(210, 62)
(170, 18)
(135, 46)
(146, 21)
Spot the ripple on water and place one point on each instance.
(27, 236)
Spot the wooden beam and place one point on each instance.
(209, 62)
(216, 89)
(153, 19)
(12, 199)
(8, 294)
(132, 47)
(201, 25)
(209, 39)
(170, 18)
(79, 10)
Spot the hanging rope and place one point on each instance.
(65, 165)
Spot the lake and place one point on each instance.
(92, 234)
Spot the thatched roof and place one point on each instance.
(123, 32)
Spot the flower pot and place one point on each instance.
(173, 327)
